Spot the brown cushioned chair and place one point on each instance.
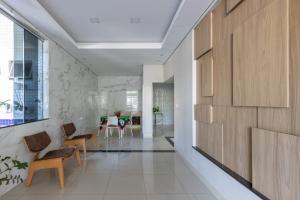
(69, 129)
(52, 159)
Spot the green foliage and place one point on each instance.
(155, 109)
(7, 165)
(117, 112)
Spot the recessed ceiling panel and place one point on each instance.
(113, 20)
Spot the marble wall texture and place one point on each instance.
(72, 97)
(114, 93)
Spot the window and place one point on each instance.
(132, 100)
(21, 74)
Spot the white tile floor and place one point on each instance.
(118, 176)
(136, 142)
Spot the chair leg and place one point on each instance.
(77, 155)
(61, 175)
(30, 175)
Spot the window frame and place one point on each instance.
(43, 40)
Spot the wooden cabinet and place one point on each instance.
(261, 59)
(203, 36)
(231, 4)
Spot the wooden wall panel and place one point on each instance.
(200, 99)
(222, 54)
(218, 22)
(202, 136)
(264, 161)
(275, 119)
(237, 123)
(204, 113)
(278, 153)
(211, 140)
(206, 63)
(294, 13)
(295, 79)
(242, 13)
(260, 58)
(203, 36)
(231, 4)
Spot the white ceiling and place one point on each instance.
(113, 44)
(114, 19)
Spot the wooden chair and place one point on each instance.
(51, 160)
(69, 129)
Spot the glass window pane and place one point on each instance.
(21, 74)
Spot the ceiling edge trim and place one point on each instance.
(115, 45)
(119, 45)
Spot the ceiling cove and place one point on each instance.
(116, 45)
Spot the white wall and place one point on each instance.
(72, 90)
(151, 74)
(112, 93)
(223, 185)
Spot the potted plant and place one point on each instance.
(155, 109)
(117, 113)
(7, 165)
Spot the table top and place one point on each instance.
(125, 118)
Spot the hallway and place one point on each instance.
(116, 176)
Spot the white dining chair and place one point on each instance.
(112, 123)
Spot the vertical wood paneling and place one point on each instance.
(295, 79)
(204, 113)
(264, 160)
(218, 22)
(206, 63)
(222, 54)
(210, 140)
(260, 58)
(237, 123)
(203, 36)
(276, 164)
(276, 119)
(294, 13)
(231, 4)
(200, 99)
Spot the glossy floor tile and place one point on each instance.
(118, 176)
(136, 142)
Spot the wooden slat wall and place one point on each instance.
(273, 95)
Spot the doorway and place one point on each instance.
(163, 110)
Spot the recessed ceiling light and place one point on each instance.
(94, 20)
(135, 20)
